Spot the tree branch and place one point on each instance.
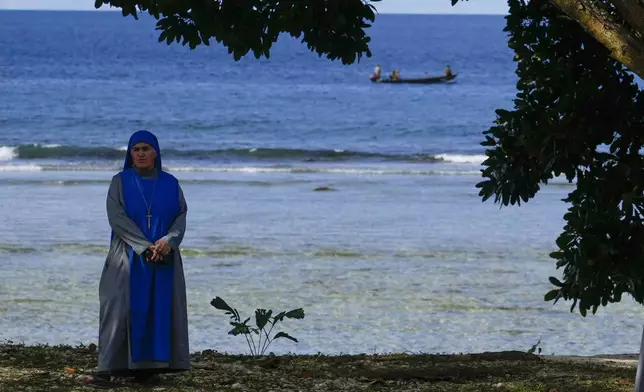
(633, 13)
(621, 43)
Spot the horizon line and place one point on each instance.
(119, 10)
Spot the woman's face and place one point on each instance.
(143, 156)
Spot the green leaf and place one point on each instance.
(278, 317)
(503, 113)
(555, 281)
(239, 329)
(556, 255)
(163, 36)
(563, 240)
(220, 304)
(550, 295)
(261, 317)
(284, 335)
(295, 314)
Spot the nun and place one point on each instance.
(143, 329)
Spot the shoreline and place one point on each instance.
(65, 368)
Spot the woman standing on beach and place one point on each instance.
(143, 327)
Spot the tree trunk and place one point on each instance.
(623, 35)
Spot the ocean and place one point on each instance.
(401, 255)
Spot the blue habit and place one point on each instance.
(151, 284)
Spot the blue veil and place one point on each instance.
(145, 137)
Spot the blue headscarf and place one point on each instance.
(145, 137)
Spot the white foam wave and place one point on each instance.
(15, 167)
(230, 169)
(458, 158)
(7, 153)
(305, 170)
(20, 168)
(187, 169)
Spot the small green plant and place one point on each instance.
(535, 348)
(263, 318)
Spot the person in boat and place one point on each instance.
(143, 329)
(395, 75)
(377, 72)
(448, 72)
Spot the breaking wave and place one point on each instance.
(56, 151)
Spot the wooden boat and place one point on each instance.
(429, 80)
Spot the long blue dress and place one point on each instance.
(143, 312)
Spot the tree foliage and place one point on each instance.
(578, 113)
(573, 99)
(335, 28)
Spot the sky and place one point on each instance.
(386, 6)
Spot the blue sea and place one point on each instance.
(401, 255)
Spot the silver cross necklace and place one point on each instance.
(148, 207)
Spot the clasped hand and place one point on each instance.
(158, 251)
